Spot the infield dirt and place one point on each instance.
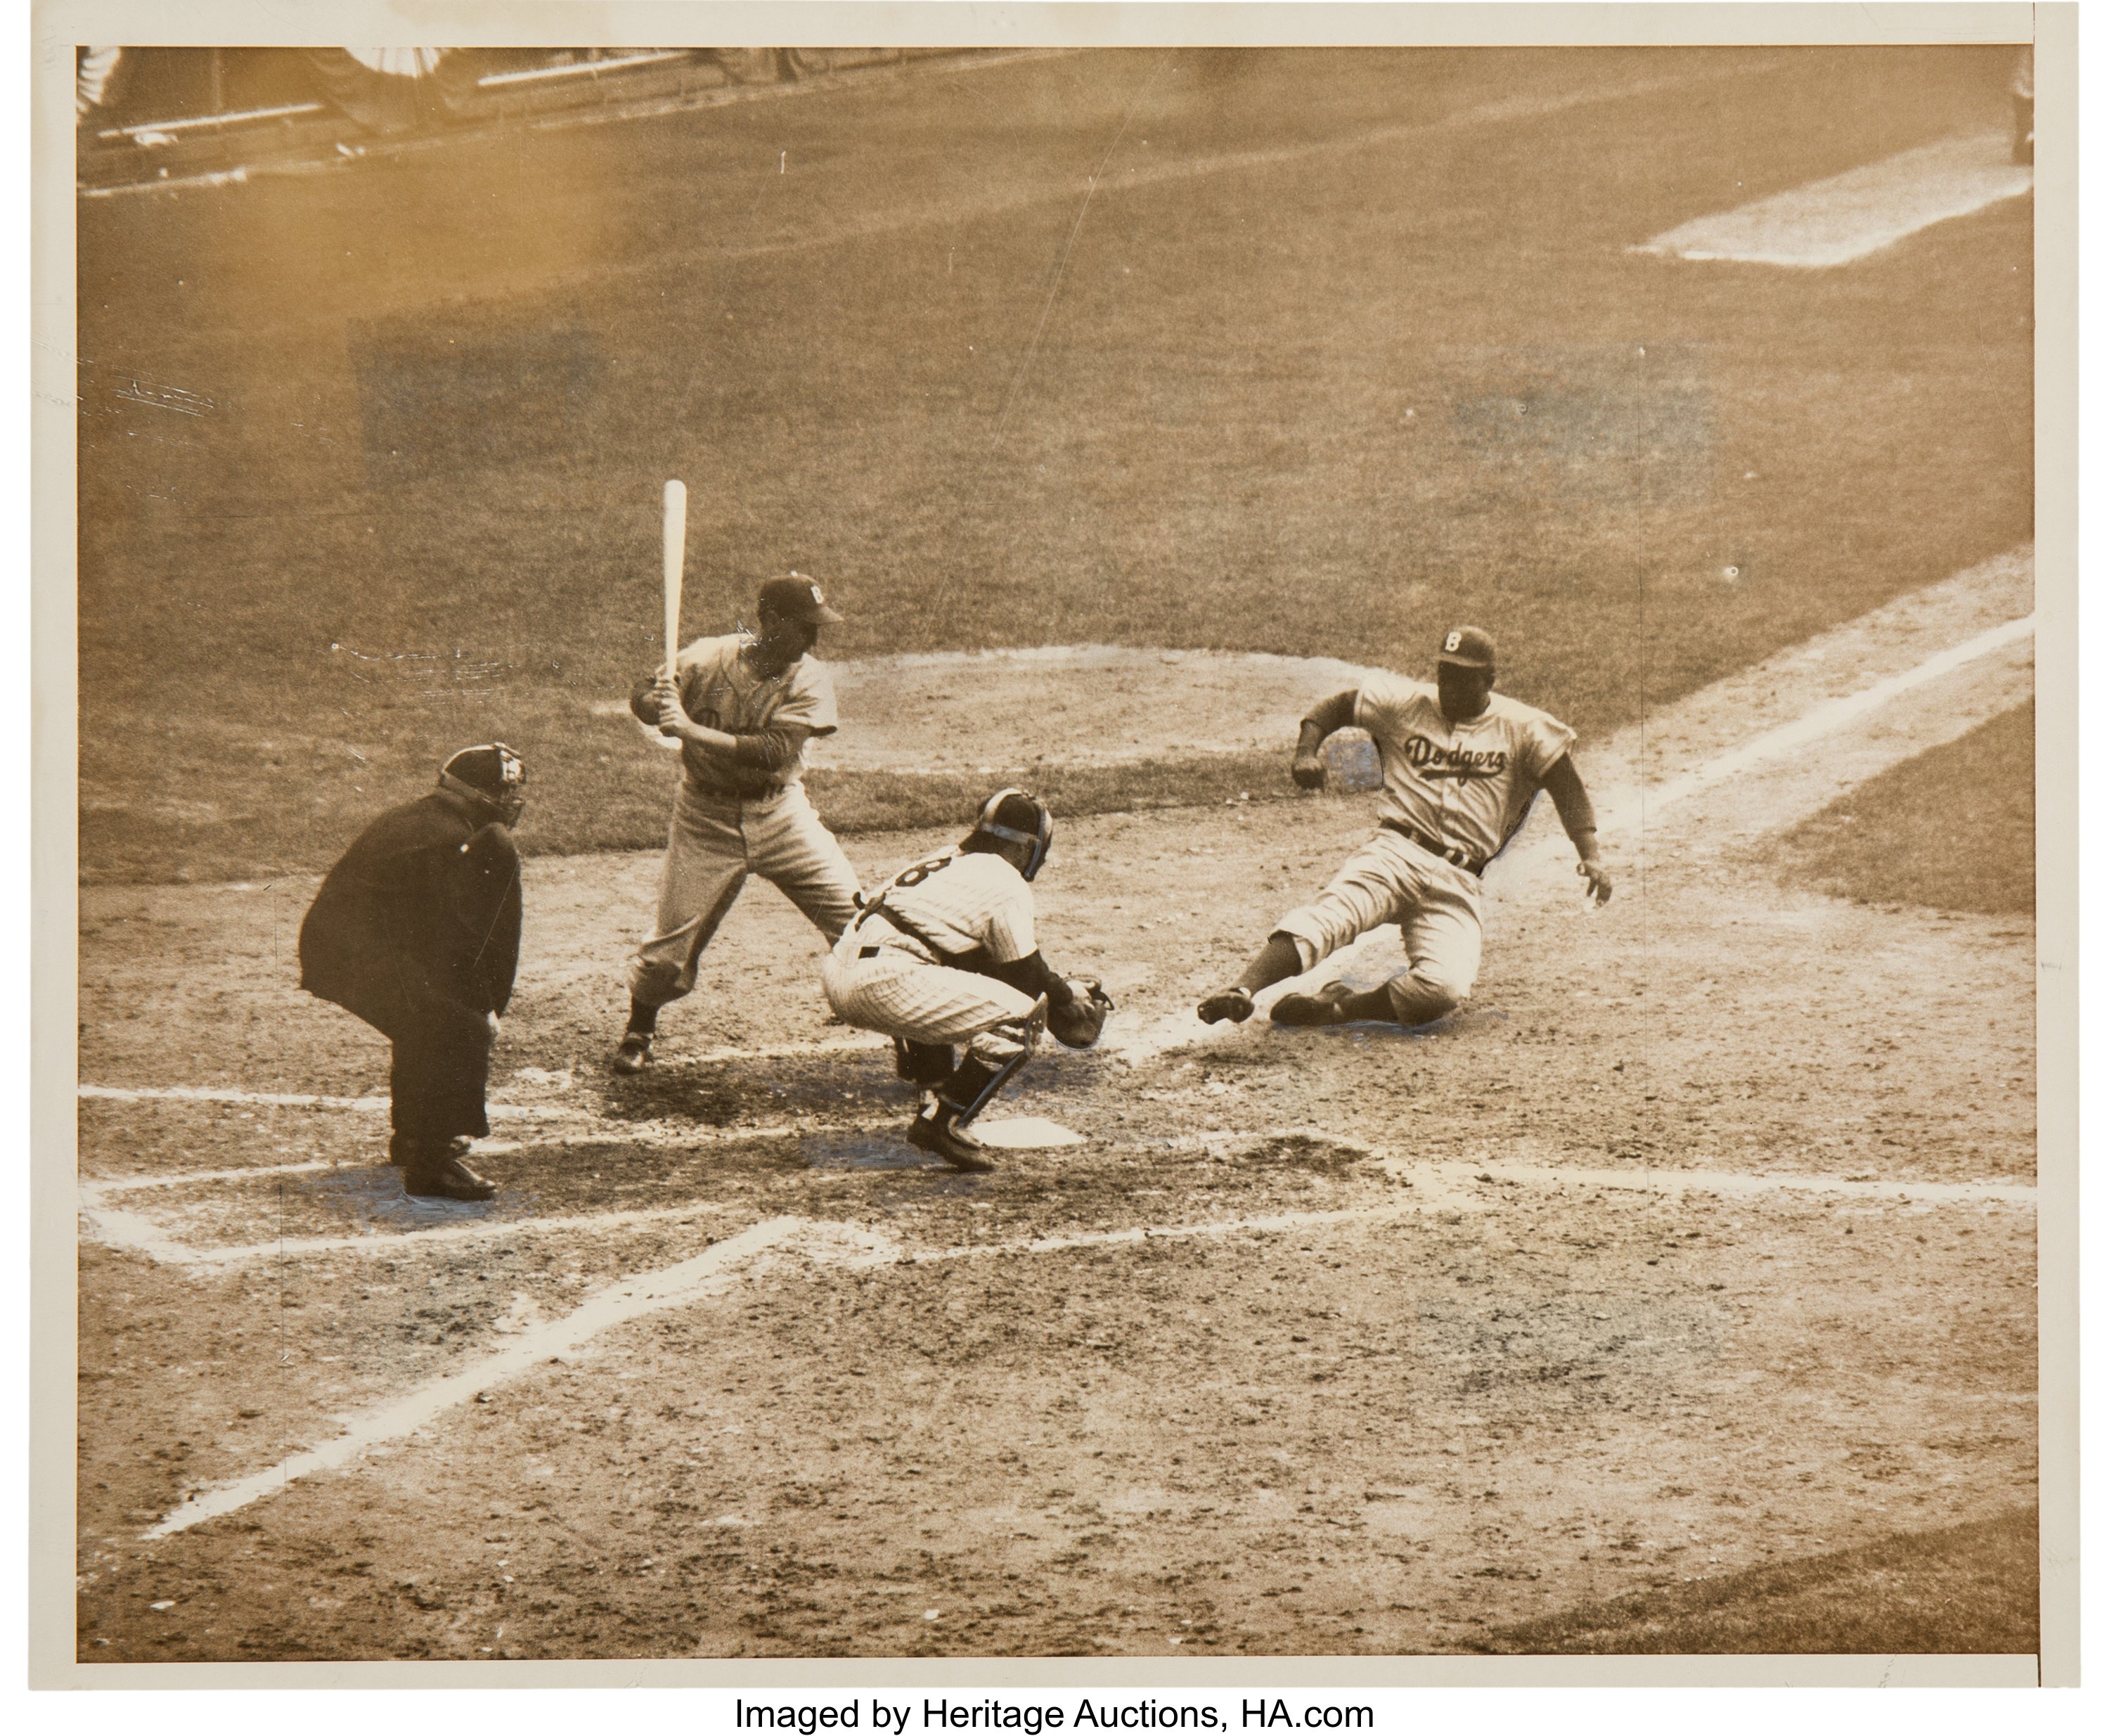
(1669, 1258)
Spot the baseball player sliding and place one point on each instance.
(1462, 765)
(742, 707)
(945, 954)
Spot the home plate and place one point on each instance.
(1025, 1133)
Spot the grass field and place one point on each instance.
(1243, 396)
(1968, 1588)
(1953, 828)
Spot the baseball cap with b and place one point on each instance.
(1468, 648)
(797, 597)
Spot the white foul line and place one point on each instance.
(1818, 721)
(710, 1272)
(624, 1300)
(142, 1235)
(296, 1099)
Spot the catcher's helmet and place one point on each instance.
(493, 773)
(1018, 818)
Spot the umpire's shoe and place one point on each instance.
(938, 1132)
(442, 1172)
(1322, 1008)
(1233, 1003)
(633, 1052)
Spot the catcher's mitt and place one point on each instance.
(1077, 1026)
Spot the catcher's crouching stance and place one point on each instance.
(945, 955)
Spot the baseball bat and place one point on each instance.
(674, 548)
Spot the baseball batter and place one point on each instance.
(946, 955)
(742, 707)
(1462, 765)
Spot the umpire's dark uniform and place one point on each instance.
(416, 931)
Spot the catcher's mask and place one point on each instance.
(493, 774)
(1021, 811)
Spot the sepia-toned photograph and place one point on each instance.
(1037, 849)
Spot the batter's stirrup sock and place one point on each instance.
(643, 1018)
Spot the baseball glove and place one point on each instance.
(1077, 1026)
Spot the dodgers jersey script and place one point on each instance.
(1468, 783)
(964, 903)
(719, 690)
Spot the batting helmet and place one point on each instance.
(1018, 818)
(493, 774)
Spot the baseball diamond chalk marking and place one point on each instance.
(142, 1235)
(292, 1100)
(1847, 217)
(625, 1299)
(1678, 1182)
(1631, 811)
(712, 1272)
(93, 1188)
(1453, 1182)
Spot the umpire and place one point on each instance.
(416, 931)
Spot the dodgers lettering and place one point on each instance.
(1485, 762)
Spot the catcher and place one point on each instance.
(945, 955)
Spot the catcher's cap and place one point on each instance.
(797, 597)
(492, 771)
(1469, 647)
(1008, 814)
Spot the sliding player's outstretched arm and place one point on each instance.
(1322, 719)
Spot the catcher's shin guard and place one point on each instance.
(922, 1063)
(991, 1059)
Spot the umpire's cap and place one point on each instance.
(1469, 647)
(797, 598)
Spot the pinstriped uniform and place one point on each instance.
(977, 903)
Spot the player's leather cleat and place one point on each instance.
(441, 1172)
(633, 1052)
(1319, 1009)
(940, 1137)
(1234, 1003)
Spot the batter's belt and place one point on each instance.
(1450, 853)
